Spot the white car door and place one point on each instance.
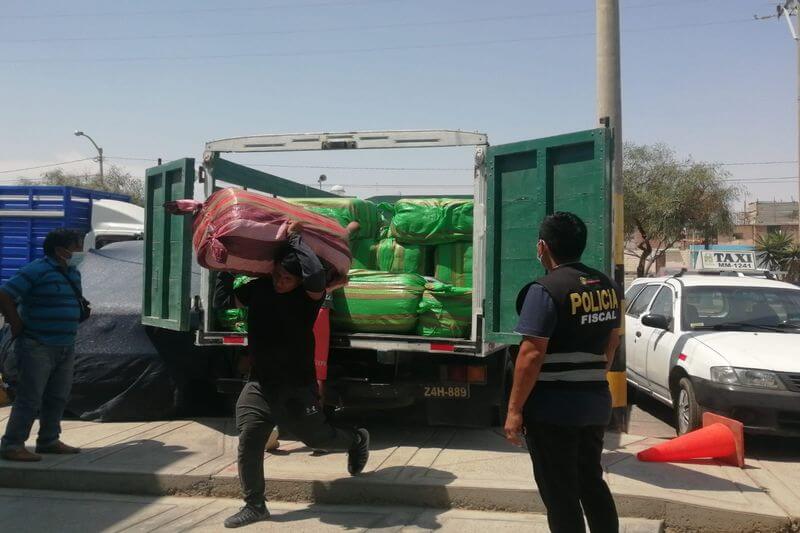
(661, 343)
(635, 337)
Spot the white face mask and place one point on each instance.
(76, 259)
(538, 255)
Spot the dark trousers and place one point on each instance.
(566, 465)
(294, 409)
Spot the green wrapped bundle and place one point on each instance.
(240, 280)
(432, 221)
(234, 319)
(378, 302)
(364, 253)
(396, 257)
(445, 311)
(345, 211)
(454, 264)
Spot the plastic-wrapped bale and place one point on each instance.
(241, 231)
(364, 253)
(378, 302)
(345, 211)
(234, 319)
(432, 221)
(454, 263)
(445, 311)
(395, 257)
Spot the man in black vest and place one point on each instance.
(570, 321)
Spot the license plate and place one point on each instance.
(448, 392)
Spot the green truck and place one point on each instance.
(461, 381)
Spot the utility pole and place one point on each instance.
(787, 9)
(791, 7)
(609, 111)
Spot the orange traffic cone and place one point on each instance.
(719, 438)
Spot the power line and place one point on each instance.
(328, 166)
(293, 5)
(742, 163)
(162, 12)
(213, 35)
(341, 51)
(337, 167)
(131, 158)
(763, 180)
(399, 185)
(46, 166)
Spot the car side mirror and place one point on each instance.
(656, 321)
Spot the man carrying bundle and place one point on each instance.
(282, 309)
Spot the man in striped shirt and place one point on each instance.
(41, 305)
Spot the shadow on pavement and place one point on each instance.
(408, 481)
(673, 475)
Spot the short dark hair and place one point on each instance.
(565, 235)
(287, 258)
(60, 238)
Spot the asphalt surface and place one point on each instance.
(650, 418)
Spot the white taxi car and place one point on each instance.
(724, 344)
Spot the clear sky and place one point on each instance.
(158, 78)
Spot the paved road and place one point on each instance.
(650, 418)
(40, 511)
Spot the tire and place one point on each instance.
(688, 413)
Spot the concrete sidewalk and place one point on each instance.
(69, 512)
(427, 467)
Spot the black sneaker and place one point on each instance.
(248, 514)
(358, 455)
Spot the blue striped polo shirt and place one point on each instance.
(46, 302)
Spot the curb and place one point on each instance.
(677, 516)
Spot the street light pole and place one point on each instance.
(79, 133)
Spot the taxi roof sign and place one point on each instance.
(727, 260)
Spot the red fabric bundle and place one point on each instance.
(240, 231)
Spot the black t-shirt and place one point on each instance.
(280, 332)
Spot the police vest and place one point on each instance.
(588, 308)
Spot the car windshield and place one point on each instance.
(746, 308)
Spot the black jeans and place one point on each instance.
(566, 465)
(295, 409)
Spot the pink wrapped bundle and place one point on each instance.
(240, 231)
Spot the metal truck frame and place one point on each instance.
(515, 185)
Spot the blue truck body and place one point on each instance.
(29, 213)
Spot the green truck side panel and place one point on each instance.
(167, 247)
(527, 181)
(252, 179)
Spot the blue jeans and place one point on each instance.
(44, 381)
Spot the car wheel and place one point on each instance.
(688, 414)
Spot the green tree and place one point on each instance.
(666, 197)
(115, 180)
(779, 252)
